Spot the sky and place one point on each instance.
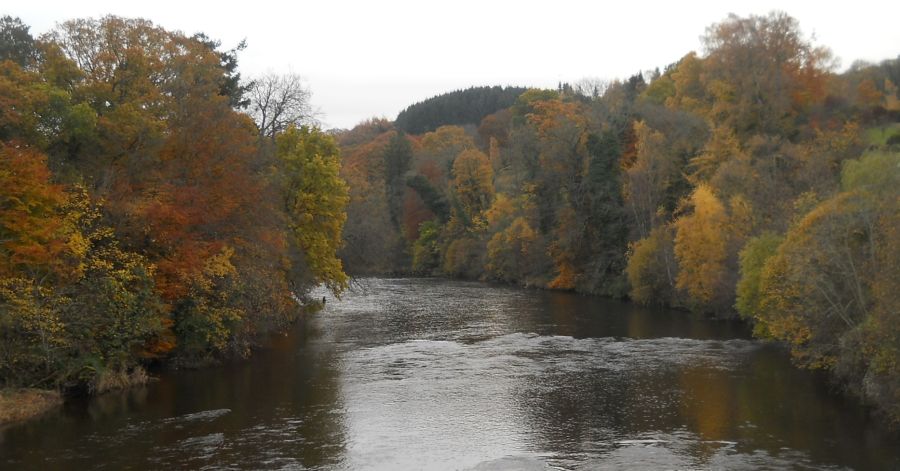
(364, 59)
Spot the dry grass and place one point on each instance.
(111, 380)
(21, 404)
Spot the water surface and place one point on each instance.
(436, 374)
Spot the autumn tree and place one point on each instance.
(823, 291)
(316, 198)
(112, 314)
(649, 180)
(397, 156)
(652, 268)
(372, 242)
(35, 240)
(511, 253)
(706, 245)
(473, 186)
(787, 75)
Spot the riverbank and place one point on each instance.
(17, 405)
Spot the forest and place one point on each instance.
(158, 207)
(155, 206)
(748, 180)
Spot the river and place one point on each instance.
(437, 374)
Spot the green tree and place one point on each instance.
(753, 258)
(426, 251)
(16, 43)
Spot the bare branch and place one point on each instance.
(278, 101)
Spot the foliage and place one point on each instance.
(700, 247)
(464, 258)
(726, 185)
(33, 335)
(316, 201)
(473, 185)
(142, 217)
(753, 259)
(16, 43)
(825, 291)
(397, 156)
(468, 106)
(426, 252)
(652, 268)
(34, 239)
(510, 253)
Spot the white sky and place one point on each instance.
(373, 58)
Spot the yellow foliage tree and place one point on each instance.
(511, 250)
(316, 200)
(700, 246)
(652, 268)
(473, 183)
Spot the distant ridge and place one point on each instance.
(459, 107)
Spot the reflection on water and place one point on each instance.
(428, 374)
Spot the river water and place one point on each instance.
(437, 374)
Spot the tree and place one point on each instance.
(316, 199)
(397, 156)
(753, 259)
(473, 185)
(602, 261)
(434, 156)
(90, 328)
(701, 249)
(426, 251)
(432, 198)
(230, 82)
(825, 291)
(372, 242)
(650, 180)
(464, 258)
(278, 102)
(16, 43)
(762, 73)
(459, 107)
(112, 312)
(652, 268)
(186, 183)
(32, 336)
(35, 241)
(511, 252)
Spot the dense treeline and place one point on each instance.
(143, 215)
(461, 107)
(748, 180)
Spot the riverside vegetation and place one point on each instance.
(748, 180)
(154, 207)
(157, 207)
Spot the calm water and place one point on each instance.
(430, 374)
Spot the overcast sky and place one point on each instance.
(373, 58)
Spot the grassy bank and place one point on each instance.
(21, 404)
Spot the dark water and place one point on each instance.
(427, 374)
